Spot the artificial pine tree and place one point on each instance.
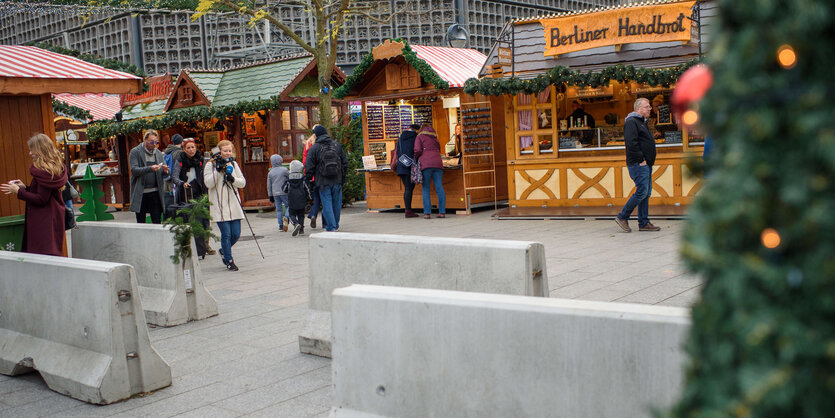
(762, 231)
(93, 208)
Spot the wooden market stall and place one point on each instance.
(28, 78)
(259, 130)
(78, 151)
(565, 141)
(401, 84)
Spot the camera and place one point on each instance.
(221, 163)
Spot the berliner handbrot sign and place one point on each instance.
(654, 23)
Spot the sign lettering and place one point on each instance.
(657, 23)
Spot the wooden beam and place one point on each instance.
(34, 86)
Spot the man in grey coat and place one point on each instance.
(147, 171)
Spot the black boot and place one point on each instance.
(231, 266)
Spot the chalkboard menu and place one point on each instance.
(391, 115)
(673, 137)
(375, 122)
(664, 114)
(405, 117)
(423, 115)
(378, 150)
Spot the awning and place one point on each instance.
(454, 65)
(32, 70)
(101, 106)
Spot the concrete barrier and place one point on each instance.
(79, 324)
(172, 294)
(401, 352)
(470, 265)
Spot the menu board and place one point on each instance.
(664, 114)
(375, 122)
(405, 117)
(674, 137)
(391, 116)
(422, 115)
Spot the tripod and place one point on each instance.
(228, 184)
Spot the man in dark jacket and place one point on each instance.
(327, 162)
(640, 156)
(405, 146)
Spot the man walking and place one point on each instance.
(147, 168)
(327, 162)
(640, 156)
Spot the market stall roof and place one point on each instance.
(32, 70)
(144, 110)
(250, 82)
(101, 106)
(452, 66)
(530, 60)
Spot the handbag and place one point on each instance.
(393, 159)
(406, 160)
(73, 191)
(417, 175)
(69, 219)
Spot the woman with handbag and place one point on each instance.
(43, 231)
(404, 158)
(187, 175)
(428, 156)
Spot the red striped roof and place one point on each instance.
(101, 106)
(454, 65)
(20, 61)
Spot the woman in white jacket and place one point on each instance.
(222, 182)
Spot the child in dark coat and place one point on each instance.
(298, 193)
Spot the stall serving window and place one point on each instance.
(571, 119)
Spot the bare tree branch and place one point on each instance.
(286, 29)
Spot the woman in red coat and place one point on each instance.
(44, 225)
(428, 152)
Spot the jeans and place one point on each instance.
(314, 209)
(150, 205)
(408, 188)
(230, 231)
(331, 195)
(435, 175)
(282, 200)
(642, 176)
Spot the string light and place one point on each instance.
(770, 238)
(690, 117)
(786, 56)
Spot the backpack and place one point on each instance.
(330, 165)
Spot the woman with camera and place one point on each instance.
(223, 178)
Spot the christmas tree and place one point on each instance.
(93, 209)
(762, 231)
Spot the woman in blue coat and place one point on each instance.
(405, 146)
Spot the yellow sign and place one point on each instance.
(656, 23)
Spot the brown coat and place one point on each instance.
(43, 231)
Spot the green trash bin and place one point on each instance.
(11, 232)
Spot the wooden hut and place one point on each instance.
(28, 78)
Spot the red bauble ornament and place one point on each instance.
(691, 87)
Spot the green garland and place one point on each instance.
(111, 64)
(423, 68)
(563, 75)
(186, 116)
(71, 111)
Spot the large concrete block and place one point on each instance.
(401, 352)
(470, 265)
(172, 294)
(79, 324)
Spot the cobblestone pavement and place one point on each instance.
(246, 360)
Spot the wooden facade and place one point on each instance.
(555, 161)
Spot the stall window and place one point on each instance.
(285, 119)
(302, 119)
(535, 127)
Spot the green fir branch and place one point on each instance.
(186, 225)
(564, 75)
(71, 111)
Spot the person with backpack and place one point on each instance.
(327, 161)
(297, 191)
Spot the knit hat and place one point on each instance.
(296, 166)
(177, 139)
(319, 130)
